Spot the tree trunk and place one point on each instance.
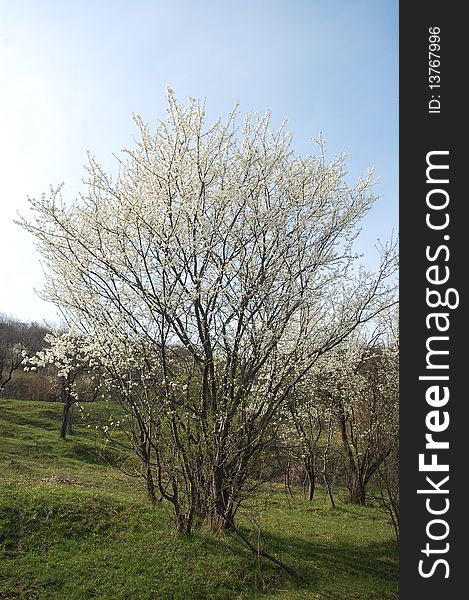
(311, 485)
(287, 480)
(66, 428)
(329, 492)
(356, 489)
(150, 486)
(221, 522)
(221, 517)
(311, 477)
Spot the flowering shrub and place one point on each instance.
(210, 275)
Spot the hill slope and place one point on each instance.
(72, 527)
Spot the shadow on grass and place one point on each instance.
(317, 561)
(93, 454)
(42, 422)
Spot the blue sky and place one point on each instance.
(72, 73)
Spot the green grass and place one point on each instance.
(72, 527)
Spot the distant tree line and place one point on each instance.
(17, 340)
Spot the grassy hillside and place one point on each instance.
(72, 527)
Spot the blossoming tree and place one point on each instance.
(71, 356)
(359, 380)
(227, 261)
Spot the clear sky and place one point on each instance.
(72, 73)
